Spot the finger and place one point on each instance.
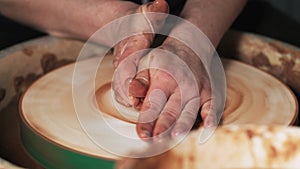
(120, 95)
(187, 118)
(210, 122)
(209, 114)
(169, 115)
(130, 45)
(138, 88)
(151, 11)
(136, 103)
(208, 106)
(139, 85)
(155, 21)
(150, 110)
(156, 6)
(123, 74)
(161, 88)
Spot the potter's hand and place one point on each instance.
(139, 27)
(169, 88)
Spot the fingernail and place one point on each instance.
(156, 3)
(210, 124)
(144, 81)
(115, 63)
(145, 134)
(179, 133)
(160, 138)
(123, 49)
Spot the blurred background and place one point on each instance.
(279, 19)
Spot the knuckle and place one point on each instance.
(161, 127)
(170, 114)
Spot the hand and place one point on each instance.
(142, 39)
(169, 88)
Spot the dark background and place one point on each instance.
(279, 19)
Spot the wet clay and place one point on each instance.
(106, 106)
(249, 93)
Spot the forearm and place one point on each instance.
(210, 20)
(213, 17)
(65, 18)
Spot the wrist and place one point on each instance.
(213, 17)
(188, 38)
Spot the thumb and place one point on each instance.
(138, 88)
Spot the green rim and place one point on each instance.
(52, 156)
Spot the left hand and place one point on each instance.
(151, 19)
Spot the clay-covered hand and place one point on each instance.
(141, 31)
(170, 87)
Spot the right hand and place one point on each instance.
(173, 84)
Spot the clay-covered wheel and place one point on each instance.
(49, 117)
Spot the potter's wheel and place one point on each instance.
(47, 109)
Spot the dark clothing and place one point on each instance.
(12, 32)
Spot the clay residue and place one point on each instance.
(287, 152)
(271, 56)
(260, 60)
(291, 147)
(21, 83)
(28, 50)
(284, 66)
(277, 150)
(280, 48)
(105, 106)
(249, 133)
(50, 62)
